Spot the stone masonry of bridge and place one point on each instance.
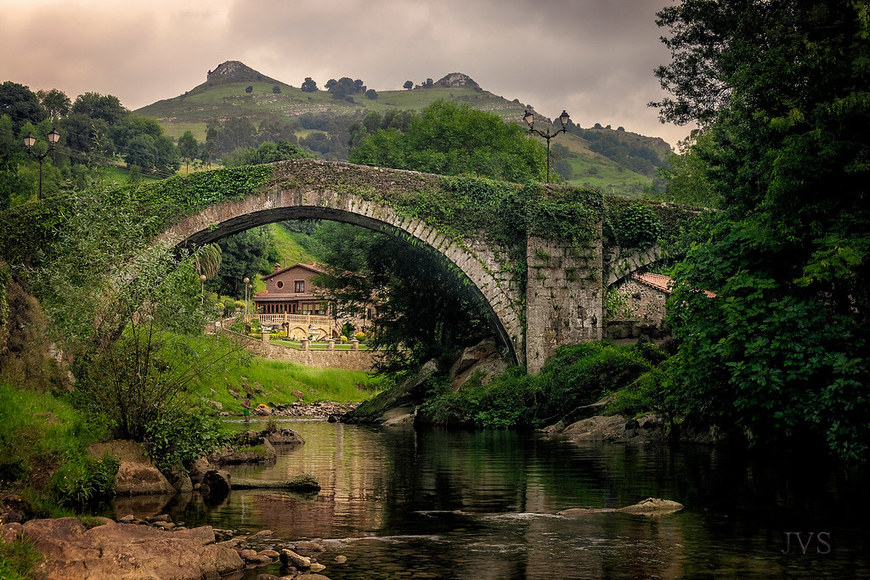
(564, 287)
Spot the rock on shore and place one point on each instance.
(116, 551)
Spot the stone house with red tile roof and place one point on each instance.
(293, 303)
(638, 306)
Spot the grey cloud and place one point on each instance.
(594, 58)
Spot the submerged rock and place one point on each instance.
(291, 558)
(302, 483)
(283, 437)
(218, 483)
(649, 506)
(653, 505)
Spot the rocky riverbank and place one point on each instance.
(317, 410)
(155, 547)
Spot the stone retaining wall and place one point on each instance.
(354, 360)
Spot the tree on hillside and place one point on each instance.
(132, 126)
(87, 138)
(96, 106)
(267, 152)
(309, 86)
(188, 148)
(245, 254)
(10, 157)
(276, 129)
(781, 92)
(141, 142)
(56, 103)
(234, 133)
(451, 139)
(408, 85)
(21, 105)
(688, 175)
(344, 87)
(374, 121)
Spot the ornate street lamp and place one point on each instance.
(202, 289)
(530, 119)
(246, 280)
(30, 141)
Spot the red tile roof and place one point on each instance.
(314, 267)
(657, 281)
(661, 282)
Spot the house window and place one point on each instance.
(280, 284)
(299, 286)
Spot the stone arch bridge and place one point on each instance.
(555, 299)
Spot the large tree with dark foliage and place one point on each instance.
(780, 89)
(424, 312)
(453, 139)
(20, 104)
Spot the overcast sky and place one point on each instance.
(594, 58)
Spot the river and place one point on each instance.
(400, 503)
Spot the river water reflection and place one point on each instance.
(400, 503)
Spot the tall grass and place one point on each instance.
(36, 428)
(17, 558)
(278, 382)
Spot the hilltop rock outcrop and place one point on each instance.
(234, 71)
(456, 80)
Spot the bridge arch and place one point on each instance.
(619, 268)
(329, 198)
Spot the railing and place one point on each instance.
(303, 320)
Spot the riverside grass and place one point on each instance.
(17, 559)
(272, 382)
(36, 427)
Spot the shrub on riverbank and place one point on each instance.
(576, 375)
(580, 374)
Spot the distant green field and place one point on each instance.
(177, 129)
(608, 177)
(289, 247)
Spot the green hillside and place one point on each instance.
(616, 161)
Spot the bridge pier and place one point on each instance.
(564, 296)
